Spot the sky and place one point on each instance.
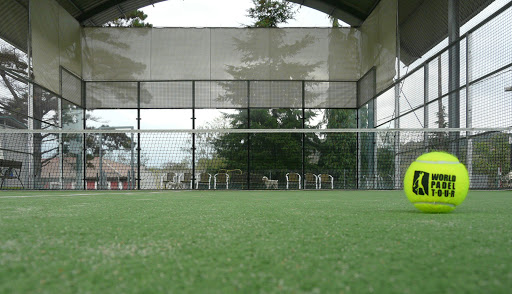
(220, 13)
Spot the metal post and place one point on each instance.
(101, 162)
(425, 107)
(358, 138)
(397, 175)
(454, 74)
(138, 143)
(303, 134)
(249, 135)
(60, 140)
(193, 134)
(469, 108)
(84, 142)
(30, 103)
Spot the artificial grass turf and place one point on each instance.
(252, 241)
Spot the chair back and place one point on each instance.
(309, 177)
(325, 178)
(187, 177)
(170, 176)
(293, 177)
(204, 178)
(222, 177)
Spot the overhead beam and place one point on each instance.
(337, 9)
(76, 6)
(98, 9)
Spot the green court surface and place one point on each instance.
(252, 241)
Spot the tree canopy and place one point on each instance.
(270, 13)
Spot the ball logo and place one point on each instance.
(420, 183)
(433, 184)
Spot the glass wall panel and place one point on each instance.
(177, 94)
(330, 95)
(221, 94)
(116, 54)
(45, 43)
(180, 53)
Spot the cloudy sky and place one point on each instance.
(220, 13)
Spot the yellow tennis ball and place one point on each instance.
(436, 182)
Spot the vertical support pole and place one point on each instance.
(30, 104)
(100, 177)
(193, 135)
(138, 141)
(358, 138)
(248, 135)
(303, 134)
(397, 175)
(425, 106)
(454, 74)
(469, 107)
(61, 143)
(84, 136)
(372, 146)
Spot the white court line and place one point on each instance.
(73, 195)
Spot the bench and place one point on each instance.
(10, 169)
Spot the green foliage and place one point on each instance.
(132, 19)
(270, 13)
(491, 152)
(265, 151)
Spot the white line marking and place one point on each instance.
(65, 195)
(438, 162)
(436, 203)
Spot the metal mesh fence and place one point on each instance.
(245, 158)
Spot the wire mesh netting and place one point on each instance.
(243, 158)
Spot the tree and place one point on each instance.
(132, 19)
(270, 13)
(266, 152)
(491, 152)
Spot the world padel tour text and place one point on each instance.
(442, 185)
